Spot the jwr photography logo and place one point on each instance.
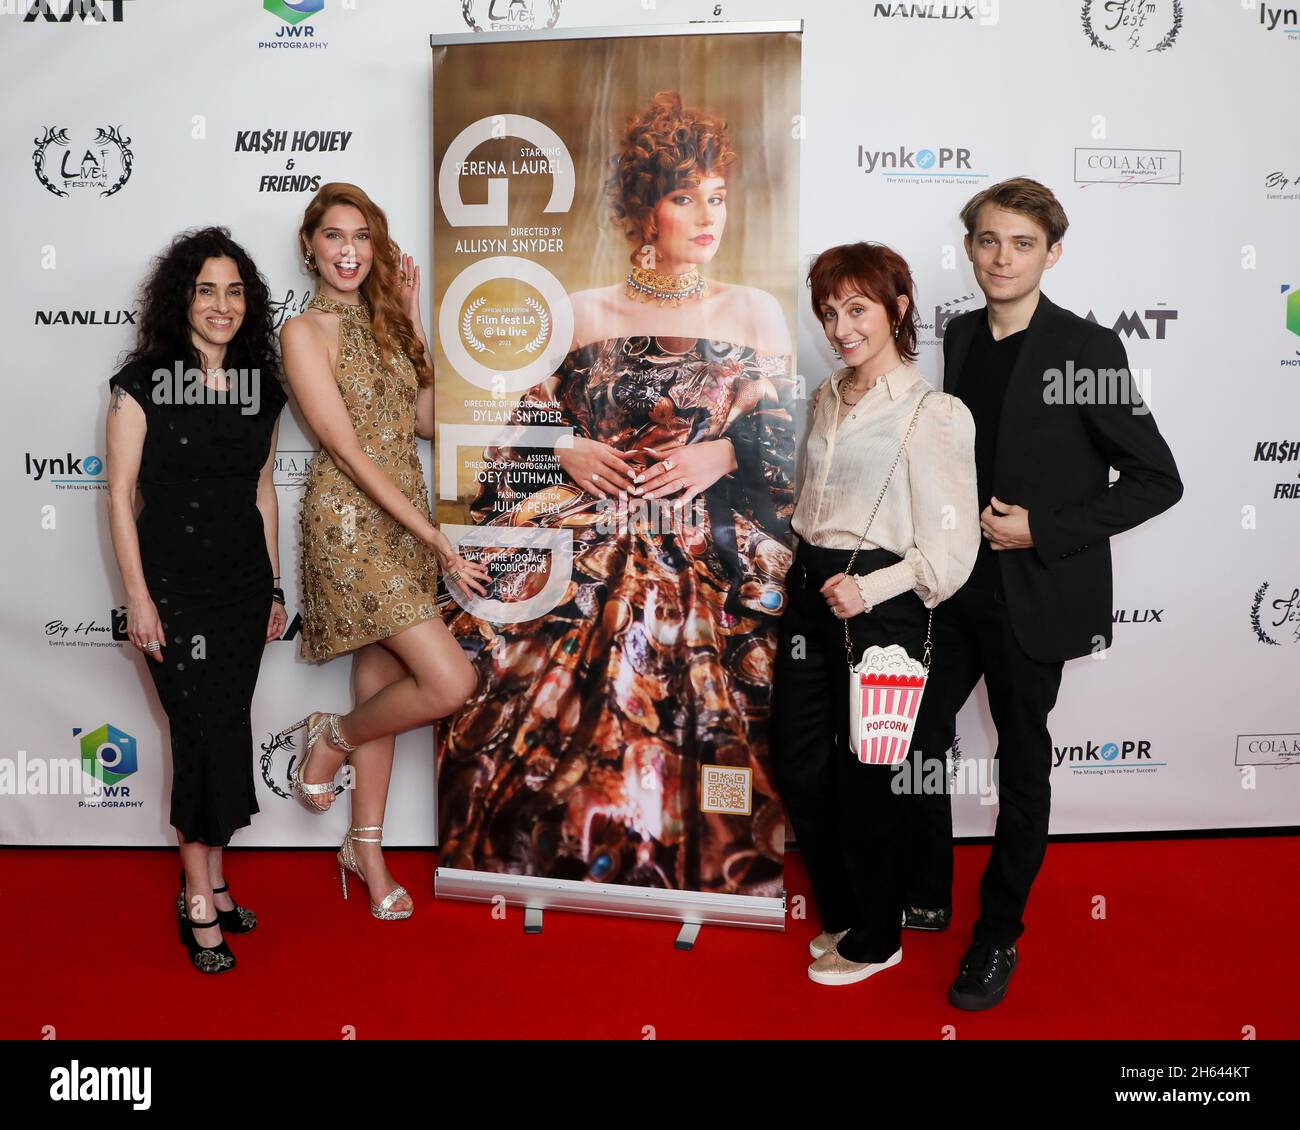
(1275, 615)
(1132, 25)
(510, 15)
(64, 163)
(294, 32)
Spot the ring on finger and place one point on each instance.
(668, 464)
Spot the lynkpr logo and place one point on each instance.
(1128, 166)
(88, 632)
(66, 162)
(1285, 22)
(1280, 451)
(294, 33)
(66, 472)
(1292, 315)
(1144, 26)
(944, 165)
(117, 317)
(510, 15)
(268, 141)
(1268, 749)
(980, 12)
(1275, 615)
(1106, 758)
(65, 11)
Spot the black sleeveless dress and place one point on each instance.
(203, 548)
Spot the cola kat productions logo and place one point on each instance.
(510, 15)
(1132, 25)
(1275, 615)
(65, 162)
(1128, 166)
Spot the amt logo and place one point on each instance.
(107, 754)
(293, 11)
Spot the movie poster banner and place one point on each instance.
(615, 254)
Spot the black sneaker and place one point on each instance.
(985, 974)
(920, 918)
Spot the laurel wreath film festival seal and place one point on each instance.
(108, 140)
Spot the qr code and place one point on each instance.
(724, 788)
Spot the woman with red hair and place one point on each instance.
(581, 753)
(868, 576)
(357, 362)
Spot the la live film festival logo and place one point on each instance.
(294, 33)
(510, 15)
(1132, 25)
(1275, 615)
(67, 161)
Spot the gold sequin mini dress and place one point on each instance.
(365, 577)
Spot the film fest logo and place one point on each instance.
(510, 15)
(506, 319)
(1124, 757)
(89, 11)
(1132, 25)
(1275, 615)
(1128, 166)
(1284, 21)
(1280, 451)
(65, 164)
(294, 34)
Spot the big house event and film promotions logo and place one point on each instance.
(510, 15)
(67, 161)
(1132, 25)
(294, 33)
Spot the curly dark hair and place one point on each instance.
(663, 148)
(164, 337)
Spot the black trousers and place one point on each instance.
(848, 821)
(973, 637)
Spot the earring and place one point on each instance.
(309, 260)
(895, 333)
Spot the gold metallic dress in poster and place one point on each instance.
(580, 755)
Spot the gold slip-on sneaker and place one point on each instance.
(832, 969)
(824, 942)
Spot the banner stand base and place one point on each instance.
(692, 908)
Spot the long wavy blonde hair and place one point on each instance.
(382, 290)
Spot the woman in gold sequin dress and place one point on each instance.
(357, 362)
(580, 756)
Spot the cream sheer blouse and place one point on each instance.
(929, 515)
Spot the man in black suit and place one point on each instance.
(1055, 408)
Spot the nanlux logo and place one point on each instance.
(1138, 616)
(86, 317)
(927, 11)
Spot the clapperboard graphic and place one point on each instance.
(887, 687)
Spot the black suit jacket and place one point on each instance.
(1054, 459)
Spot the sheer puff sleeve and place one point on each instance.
(945, 509)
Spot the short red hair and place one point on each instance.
(874, 271)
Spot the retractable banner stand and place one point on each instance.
(615, 278)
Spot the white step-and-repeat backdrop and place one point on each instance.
(1167, 128)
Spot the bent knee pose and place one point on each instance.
(358, 364)
(191, 435)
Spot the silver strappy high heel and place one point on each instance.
(347, 858)
(305, 792)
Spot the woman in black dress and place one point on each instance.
(191, 429)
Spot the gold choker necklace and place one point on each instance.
(667, 290)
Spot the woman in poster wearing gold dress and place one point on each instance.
(580, 755)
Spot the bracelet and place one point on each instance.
(277, 595)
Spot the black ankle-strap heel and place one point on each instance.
(240, 920)
(206, 959)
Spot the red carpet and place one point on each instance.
(1197, 942)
